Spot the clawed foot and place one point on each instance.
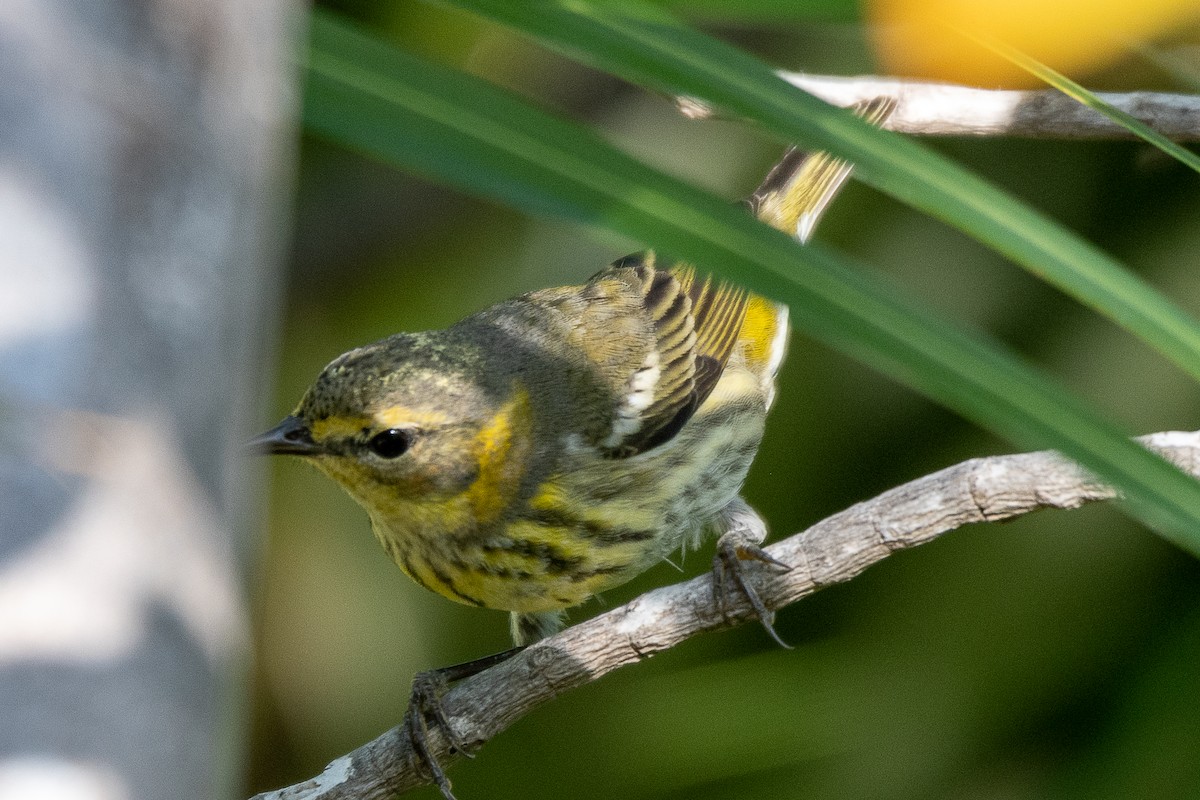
(740, 543)
(425, 707)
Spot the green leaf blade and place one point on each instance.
(1092, 101)
(463, 131)
(644, 46)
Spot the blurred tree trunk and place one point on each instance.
(142, 150)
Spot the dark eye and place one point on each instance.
(391, 443)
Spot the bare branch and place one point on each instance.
(943, 109)
(832, 551)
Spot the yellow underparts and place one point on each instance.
(548, 566)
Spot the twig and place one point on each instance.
(943, 109)
(832, 551)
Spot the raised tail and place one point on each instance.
(792, 198)
(800, 187)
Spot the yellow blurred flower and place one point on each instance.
(921, 38)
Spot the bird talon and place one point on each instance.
(753, 552)
(425, 702)
(728, 562)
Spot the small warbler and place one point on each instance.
(555, 445)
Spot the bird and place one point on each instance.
(555, 445)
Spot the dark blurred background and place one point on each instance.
(1055, 656)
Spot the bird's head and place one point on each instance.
(410, 428)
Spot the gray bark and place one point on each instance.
(946, 109)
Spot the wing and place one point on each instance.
(692, 324)
(661, 336)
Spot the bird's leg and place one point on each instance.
(743, 534)
(425, 705)
(533, 626)
(425, 700)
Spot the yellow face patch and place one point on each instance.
(338, 427)
(502, 449)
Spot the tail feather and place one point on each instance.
(801, 186)
(792, 198)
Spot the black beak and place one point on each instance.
(289, 438)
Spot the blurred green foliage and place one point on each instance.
(1056, 656)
